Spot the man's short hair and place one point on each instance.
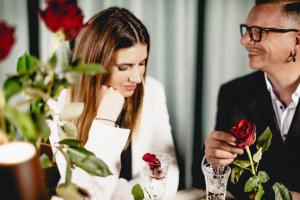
(290, 8)
(257, 2)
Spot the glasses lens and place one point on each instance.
(243, 30)
(255, 33)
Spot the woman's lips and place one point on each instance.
(130, 87)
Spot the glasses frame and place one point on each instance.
(262, 29)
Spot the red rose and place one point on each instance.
(7, 39)
(152, 161)
(245, 133)
(64, 15)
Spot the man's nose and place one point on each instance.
(246, 39)
(134, 75)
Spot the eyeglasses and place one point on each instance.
(255, 32)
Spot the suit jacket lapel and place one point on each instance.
(295, 126)
(261, 109)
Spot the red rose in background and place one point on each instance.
(63, 15)
(244, 132)
(7, 39)
(152, 161)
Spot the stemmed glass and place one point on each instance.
(155, 177)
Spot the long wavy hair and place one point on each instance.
(107, 32)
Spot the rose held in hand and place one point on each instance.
(245, 133)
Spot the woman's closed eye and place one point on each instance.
(123, 67)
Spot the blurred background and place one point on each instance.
(194, 49)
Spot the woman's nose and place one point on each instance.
(134, 75)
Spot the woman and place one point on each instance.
(125, 110)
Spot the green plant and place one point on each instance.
(257, 179)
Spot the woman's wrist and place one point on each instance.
(106, 121)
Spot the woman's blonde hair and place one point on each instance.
(107, 32)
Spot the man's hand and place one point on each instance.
(220, 148)
(295, 195)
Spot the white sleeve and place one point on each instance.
(107, 143)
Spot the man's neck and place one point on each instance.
(284, 85)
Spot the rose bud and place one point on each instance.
(245, 133)
(7, 39)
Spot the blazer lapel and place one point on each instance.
(261, 109)
(295, 125)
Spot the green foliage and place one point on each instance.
(258, 155)
(87, 161)
(260, 192)
(263, 177)
(281, 192)
(242, 163)
(137, 192)
(251, 184)
(236, 174)
(45, 161)
(264, 141)
(12, 86)
(69, 191)
(27, 64)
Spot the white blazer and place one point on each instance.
(108, 142)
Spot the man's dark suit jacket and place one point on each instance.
(248, 97)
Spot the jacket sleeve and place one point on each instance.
(107, 143)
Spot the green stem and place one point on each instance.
(3, 124)
(251, 161)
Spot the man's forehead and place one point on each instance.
(266, 15)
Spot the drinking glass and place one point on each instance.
(155, 177)
(216, 181)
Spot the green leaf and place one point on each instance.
(2, 99)
(70, 142)
(137, 192)
(241, 163)
(58, 86)
(40, 124)
(53, 60)
(251, 184)
(260, 192)
(70, 191)
(45, 161)
(257, 156)
(26, 64)
(87, 161)
(90, 69)
(35, 93)
(23, 122)
(71, 111)
(12, 86)
(281, 192)
(37, 106)
(70, 130)
(264, 141)
(263, 176)
(236, 174)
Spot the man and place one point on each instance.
(268, 97)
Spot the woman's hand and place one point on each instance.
(111, 104)
(220, 148)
